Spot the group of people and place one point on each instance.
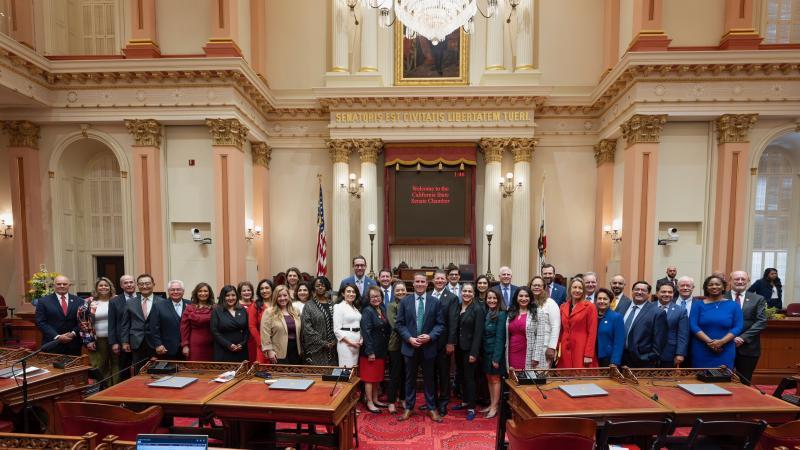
(485, 329)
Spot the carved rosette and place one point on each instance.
(145, 132)
(262, 154)
(604, 151)
(22, 133)
(493, 149)
(340, 149)
(734, 128)
(643, 128)
(227, 132)
(368, 149)
(522, 148)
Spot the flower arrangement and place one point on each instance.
(41, 283)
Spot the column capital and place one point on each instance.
(145, 132)
(523, 148)
(340, 149)
(22, 133)
(493, 149)
(262, 154)
(734, 128)
(368, 149)
(642, 128)
(604, 151)
(227, 132)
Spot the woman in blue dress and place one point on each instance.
(714, 324)
(610, 330)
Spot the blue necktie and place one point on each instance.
(629, 320)
(420, 314)
(505, 296)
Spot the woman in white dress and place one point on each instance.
(347, 326)
(549, 320)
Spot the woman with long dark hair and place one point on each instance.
(347, 325)
(494, 348)
(319, 341)
(526, 336)
(396, 363)
(196, 338)
(229, 327)
(481, 288)
(293, 279)
(769, 287)
(469, 337)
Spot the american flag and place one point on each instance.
(322, 245)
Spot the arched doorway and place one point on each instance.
(89, 226)
(776, 214)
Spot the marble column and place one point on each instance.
(26, 200)
(224, 29)
(339, 256)
(493, 149)
(604, 207)
(262, 154)
(339, 50)
(143, 42)
(148, 220)
(228, 138)
(524, 44)
(522, 149)
(642, 134)
(740, 29)
(733, 184)
(494, 40)
(368, 150)
(369, 39)
(648, 34)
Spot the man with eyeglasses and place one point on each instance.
(646, 328)
(136, 336)
(359, 277)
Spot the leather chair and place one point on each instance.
(646, 434)
(547, 433)
(77, 418)
(722, 434)
(786, 435)
(793, 309)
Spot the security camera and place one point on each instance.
(672, 236)
(196, 235)
(672, 232)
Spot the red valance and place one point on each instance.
(451, 154)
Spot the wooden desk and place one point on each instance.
(245, 406)
(780, 347)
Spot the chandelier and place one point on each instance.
(432, 19)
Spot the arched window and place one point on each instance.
(782, 22)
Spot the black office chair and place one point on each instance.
(646, 434)
(721, 434)
(787, 383)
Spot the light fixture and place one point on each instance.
(371, 228)
(6, 226)
(508, 186)
(352, 187)
(252, 231)
(613, 231)
(489, 234)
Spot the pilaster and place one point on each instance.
(369, 150)
(262, 154)
(224, 29)
(648, 34)
(339, 256)
(740, 29)
(604, 157)
(143, 42)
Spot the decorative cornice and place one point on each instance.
(22, 133)
(642, 128)
(441, 101)
(734, 128)
(340, 149)
(522, 148)
(493, 149)
(604, 151)
(145, 132)
(227, 132)
(262, 154)
(368, 149)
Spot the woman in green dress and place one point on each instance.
(494, 341)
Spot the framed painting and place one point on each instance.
(417, 62)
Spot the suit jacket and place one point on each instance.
(117, 308)
(687, 306)
(274, 335)
(432, 325)
(165, 325)
(647, 336)
(456, 292)
(764, 289)
(499, 290)
(467, 328)
(622, 299)
(754, 313)
(52, 321)
(666, 280)
(367, 283)
(611, 337)
(387, 299)
(374, 332)
(448, 303)
(677, 336)
(135, 329)
(558, 293)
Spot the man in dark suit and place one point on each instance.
(673, 354)
(685, 296)
(556, 291)
(165, 322)
(590, 285)
(645, 328)
(57, 318)
(754, 311)
(671, 278)
(136, 336)
(617, 284)
(453, 278)
(359, 279)
(419, 324)
(385, 283)
(117, 308)
(505, 290)
(445, 347)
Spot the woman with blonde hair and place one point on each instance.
(280, 329)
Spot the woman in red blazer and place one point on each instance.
(263, 300)
(578, 329)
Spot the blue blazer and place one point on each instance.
(165, 325)
(406, 324)
(512, 289)
(611, 337)
(52, 321)
(367, 283)
(677, 336)
(647, 336)
(559, 293)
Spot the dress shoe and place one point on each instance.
(459, 407)
(470, 414)
(443, 411)
(435, 416)
(406, 415)
(424, 408)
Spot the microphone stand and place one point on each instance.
(24, 362)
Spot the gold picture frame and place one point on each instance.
(416, 65)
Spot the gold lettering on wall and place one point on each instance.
(432, 116)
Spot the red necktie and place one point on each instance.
(64, 305)
(739, 299)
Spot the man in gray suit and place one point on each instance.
(136, 336)
(754, 306)
(117, 308)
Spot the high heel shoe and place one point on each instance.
(490, 415)
(373, 411)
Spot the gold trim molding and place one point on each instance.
(22, 133)
(643, 129)
(522, 148)
(493, 149)
(227, 132)
(145, 132)
(604, 151)
(368, 149)
(262, 154)
(734, 128)
(340, 149)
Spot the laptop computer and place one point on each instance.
(583, 390)
(171, 442)
(703, 389)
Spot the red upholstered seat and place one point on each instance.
(6, 426)
(78, 418)
(786, 435)
(793, 309)
(551, 433)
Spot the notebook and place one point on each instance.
(583, 390)
(172, 382)
(171, 442)
(703, 389)
(290, 384)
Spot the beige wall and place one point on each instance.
(574, 28)
(10, 270)
(296, 61)
(183, 26)
(693, 22)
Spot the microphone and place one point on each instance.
(47, 346)
(541, 391)
(341, 373)
(746, 381)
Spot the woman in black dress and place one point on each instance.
(229, 327)
(319, 342)
(469, 338)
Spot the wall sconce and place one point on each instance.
(613, 231)
(252, 231)
(6, 227)
(352, 187)
(507, 185)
